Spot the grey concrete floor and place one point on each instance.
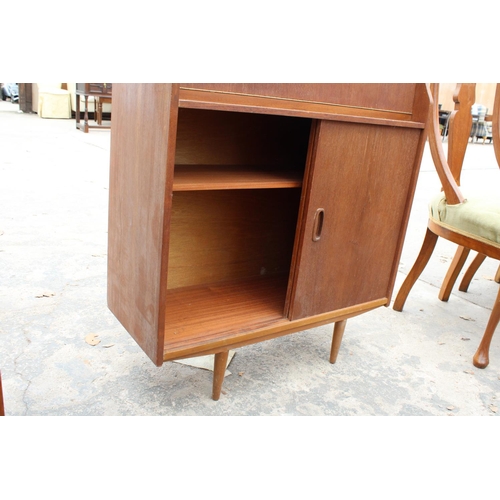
(53, 239)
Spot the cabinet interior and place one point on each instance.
(236, 195)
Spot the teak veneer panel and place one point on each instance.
(225, 235)
(364, 176)
(375, 100)
(141, 168)
(217, 310)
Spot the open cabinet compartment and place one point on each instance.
(236, 196)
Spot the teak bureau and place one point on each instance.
(242, 212)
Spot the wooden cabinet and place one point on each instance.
(242, 212)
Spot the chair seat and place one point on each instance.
(477, 217)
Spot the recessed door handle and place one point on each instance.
(319, 217)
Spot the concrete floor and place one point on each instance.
(53, 223)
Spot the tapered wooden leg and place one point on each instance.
(471, 271)
(423, 257)
(220, 364)
(497, 275)
(453, 271)
(481, 358)
(338, 333)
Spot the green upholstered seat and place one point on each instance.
(478, 216)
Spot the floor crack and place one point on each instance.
(20, 374)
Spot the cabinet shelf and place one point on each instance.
(199, 314)
(212, 177)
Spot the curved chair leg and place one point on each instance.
(453, 271)
(481, 358)
(423, 257)
(338, 333)
(471, 271)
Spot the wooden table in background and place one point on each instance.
(101, 93)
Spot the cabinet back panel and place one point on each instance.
(206, 137)
(235, 234)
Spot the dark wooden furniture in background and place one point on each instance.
(25, 97)
(97, 90)
(99, 102)
(243, 212)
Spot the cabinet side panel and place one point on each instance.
(139, 173)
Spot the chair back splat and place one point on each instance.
(446, 176)
(460, 127)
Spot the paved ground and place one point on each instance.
(53, 223)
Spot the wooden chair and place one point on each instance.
(472, 223)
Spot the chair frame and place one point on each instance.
(449, 171)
